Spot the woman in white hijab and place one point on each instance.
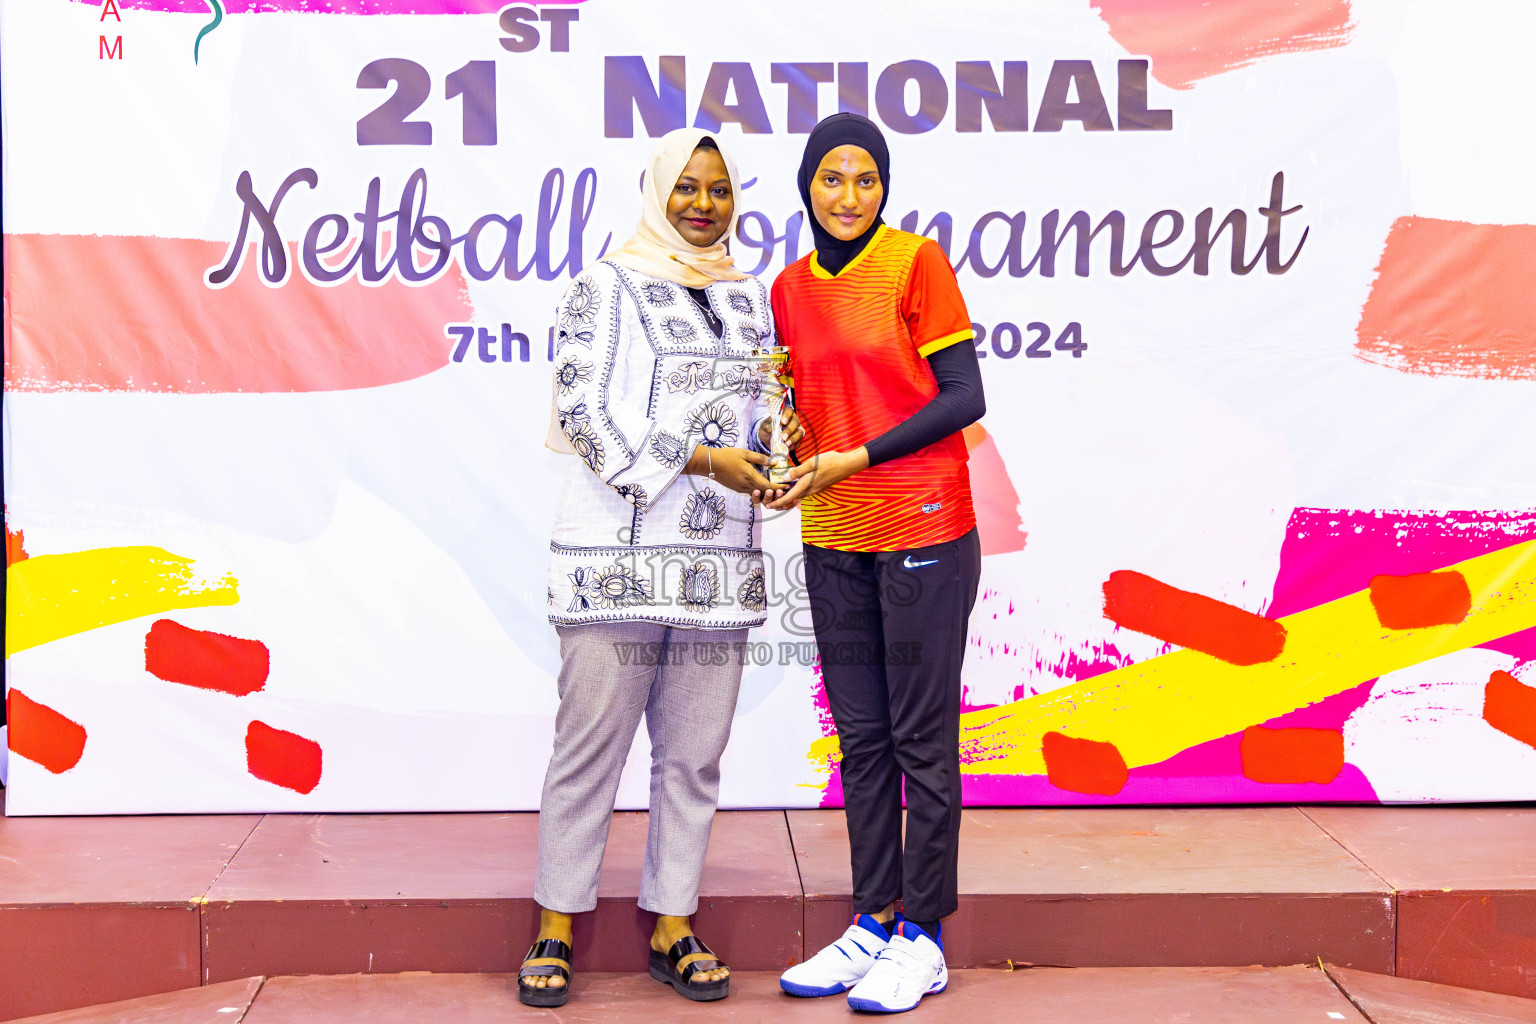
(655, 569)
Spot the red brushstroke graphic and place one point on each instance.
(993, 495)
(15, 551)
(1510, 707)
(1083, 766)
(41, 734)
(109, 313)
(1420, 600)
(1193, 39)
(212, 661)
(282, 758)
(1135, 601)
(1292, 756)
(1453, 299)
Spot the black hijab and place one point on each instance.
(842, 130)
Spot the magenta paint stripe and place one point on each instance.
(1331, 552)
(327, 6)
(1145, 786)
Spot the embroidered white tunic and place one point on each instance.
(640, 381)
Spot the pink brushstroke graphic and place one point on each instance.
(1332, 552)
(1453, 299)
(995, 499)
(122, 313)
(1193, 39)
(1211, 772)
(832, 796)
(1327, 554)
(331, 6)
(1073, 664)
(1144, 786)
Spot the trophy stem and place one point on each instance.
(778, 447)
(769, 365)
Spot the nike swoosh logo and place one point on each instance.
(909, 564)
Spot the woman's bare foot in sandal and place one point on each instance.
(668, 931)
(552, 925)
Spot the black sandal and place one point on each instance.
(547, 958)
(668, 969)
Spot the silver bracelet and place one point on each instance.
(711, 460)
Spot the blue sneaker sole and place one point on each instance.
(870, 1006)
(811, 991)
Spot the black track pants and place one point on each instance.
(891, 630)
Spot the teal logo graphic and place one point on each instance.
(218, 16)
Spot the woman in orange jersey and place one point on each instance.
(885, 377)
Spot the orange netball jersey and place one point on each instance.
(858, 347)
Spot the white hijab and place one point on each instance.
(656, 249)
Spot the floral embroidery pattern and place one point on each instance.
(582, 304)
(578, 321)
(689, 377)
(584, 591)
(617, 586)
(669, 449)
(753, 592)
(703, 515)
(679, 329)
(700, 587)
(607, 589)
(741, 380)
(572, 331)
(574, 417)
(658, 294)
(585, 442)
(751, 335)
(740, 302)
(571, 372)
(634, 494)
(714, 424)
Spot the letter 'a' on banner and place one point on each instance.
(1251, 303)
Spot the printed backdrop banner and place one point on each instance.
(1252, 285)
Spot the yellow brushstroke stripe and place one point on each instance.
(54, 596)
(1157, 708)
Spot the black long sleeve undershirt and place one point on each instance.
(958, 404)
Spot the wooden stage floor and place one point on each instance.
(94, 910)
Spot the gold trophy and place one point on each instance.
(768, 363)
